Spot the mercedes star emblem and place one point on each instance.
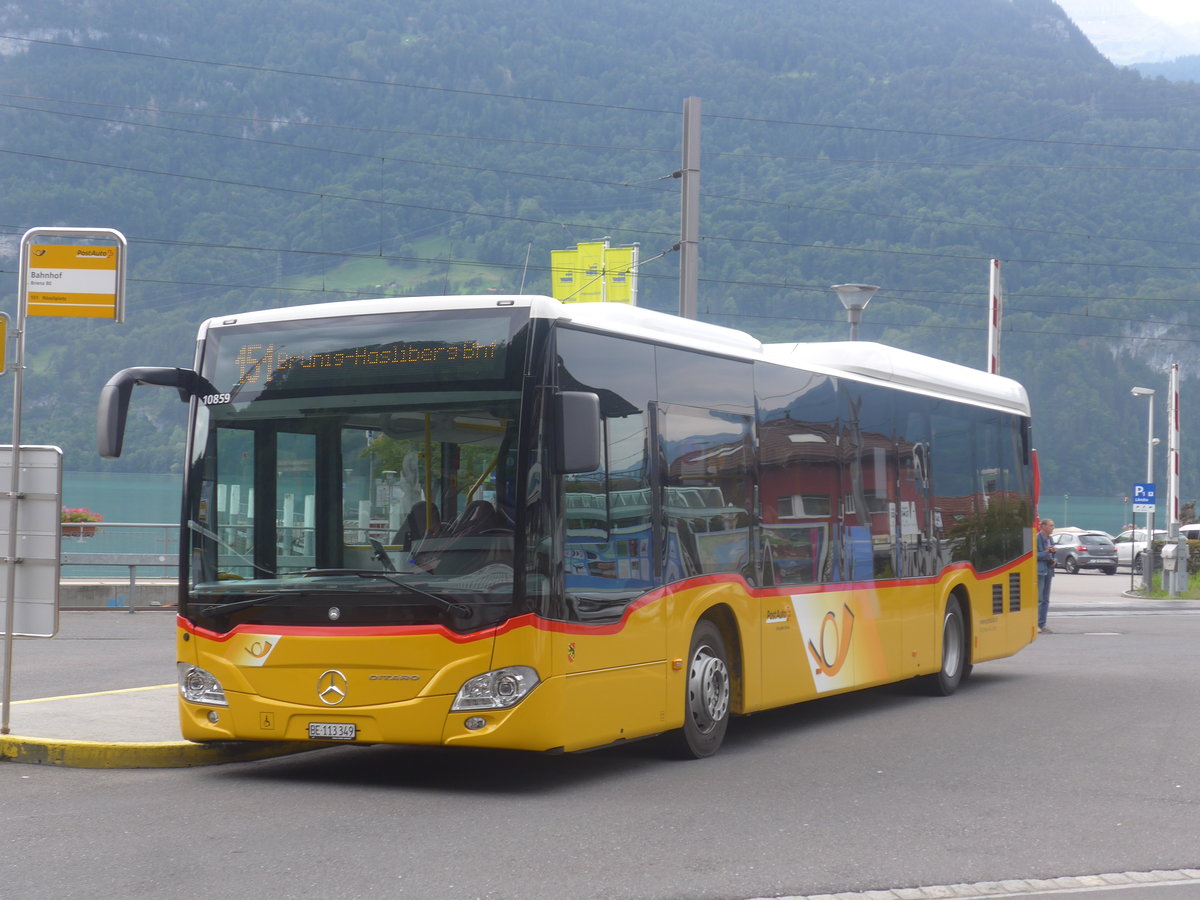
(332, 687)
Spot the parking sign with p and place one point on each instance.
(1143, 498)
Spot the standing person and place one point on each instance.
(1045, 564)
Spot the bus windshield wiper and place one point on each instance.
(459, 608)
(218, 608)
(216, 539)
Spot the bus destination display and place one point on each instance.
(257, 363)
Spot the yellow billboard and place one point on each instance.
(594, 273)
(72, 280)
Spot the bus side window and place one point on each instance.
(799, 474)
(608, 540)
(707, 496)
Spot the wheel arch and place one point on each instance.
(939, 683)
(967, 590)
(964, 603)
(723, 616)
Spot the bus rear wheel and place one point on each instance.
(707, 692)
(955, 656)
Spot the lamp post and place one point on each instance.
(1148, 561)
(855, 298)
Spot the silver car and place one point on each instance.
(1089, 550)
(1131, 546)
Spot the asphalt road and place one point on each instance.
(1076, 757)
(100, 650)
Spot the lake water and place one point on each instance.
(125, 497)
(1111, 514)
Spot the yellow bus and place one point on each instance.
(502, 521)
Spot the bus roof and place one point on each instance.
(857, 360)
(867, 361)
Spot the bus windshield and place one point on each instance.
(360, 472)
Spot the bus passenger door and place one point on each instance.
(610, 647)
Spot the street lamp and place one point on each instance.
(855, 298)
(1148, 562)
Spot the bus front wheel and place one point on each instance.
(955, 654)
(707, 692)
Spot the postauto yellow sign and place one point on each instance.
(72, 280)
(593, 272)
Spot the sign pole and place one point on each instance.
(14, 489)
(1148, 563)
(1176, 579)
(79, 281)
(1144, 499)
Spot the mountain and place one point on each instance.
(261, 154)
(1128, 36)
(1185, 68)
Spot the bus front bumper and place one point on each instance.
(423, 721)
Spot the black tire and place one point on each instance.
(1071, 565)
(1137, 564)
(707, 692)
(955, 653)
(1110, 570)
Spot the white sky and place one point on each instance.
(1176, 11)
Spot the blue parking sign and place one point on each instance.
(1143, 498)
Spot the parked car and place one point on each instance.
(1131, 546)
(1088, 550)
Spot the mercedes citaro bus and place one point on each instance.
(503, 521)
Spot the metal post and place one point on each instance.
(689, 212)
(1148, 564)
(132, 588)
(1177, 579)
(14, 491)
(995, 304)
(14, 488)
(1148, 559)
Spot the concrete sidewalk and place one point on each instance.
(101, 693)
(119, 729)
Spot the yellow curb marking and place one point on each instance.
(152, 687)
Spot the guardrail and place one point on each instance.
(120, 546)
(96, 554)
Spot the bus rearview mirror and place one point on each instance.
(578, 444)
(113, 407)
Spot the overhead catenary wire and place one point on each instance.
(590, 225)
(710, 238)
(390, 84)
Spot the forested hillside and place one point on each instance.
(260, 153)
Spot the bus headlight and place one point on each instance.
(498, 689)
(198, 686)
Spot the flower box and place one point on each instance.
(78, 531)
(79, 523)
